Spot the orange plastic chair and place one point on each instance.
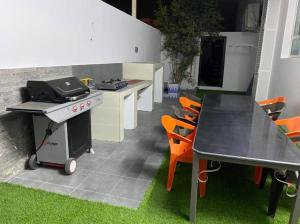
(183, 115)
(181, 149)
(190, 105)
(292, 124)
(291, 127)
(273, 106)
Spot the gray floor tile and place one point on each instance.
(123, 202)
(115, 167)
(88, 195)
(54, 176)
(85, 172)
(135, 168)
(88, 164)
(130, 151)
(118, 173)
(162, 146)
(104, 149)
(99, 183)
(131, 188)
(43, 172)
(149, 171)
(140, 133)
(155, 158)
(56, 188)
(26, 182)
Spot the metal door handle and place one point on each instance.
(79, 97)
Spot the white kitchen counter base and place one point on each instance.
(147, 71)
(119, 111)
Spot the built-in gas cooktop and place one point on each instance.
(111, 84)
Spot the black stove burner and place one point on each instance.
(112, 81)
(112, 84)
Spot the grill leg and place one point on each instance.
(91, 151)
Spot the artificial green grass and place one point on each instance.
(202, 92)
(231, 198)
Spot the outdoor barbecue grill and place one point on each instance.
(60, 110)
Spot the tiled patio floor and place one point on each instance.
(118, 173)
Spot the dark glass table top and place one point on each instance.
(235, 129)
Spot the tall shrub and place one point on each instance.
(183, 22)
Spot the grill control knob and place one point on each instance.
(88, 103)
(74, 108)
(82, 106)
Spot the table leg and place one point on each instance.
(202, 176)
(296, 209)
(264, 176)
(275, 193)
(194, 188)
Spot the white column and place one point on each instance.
(159, 85)
(133, 7)
(130, 112)
(268, 49)
(145, 99)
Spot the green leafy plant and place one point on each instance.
(183, 22)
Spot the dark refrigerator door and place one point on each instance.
(79, 134)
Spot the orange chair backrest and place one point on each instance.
(168, 123)
(185, 142)
(188, 104)
(277, 100)
(273, 107)
(292, 124)
(293, 127)
(273, 100)
(294, 136)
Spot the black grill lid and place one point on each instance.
(56, 89)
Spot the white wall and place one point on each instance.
(285, 78)
(268, 50)
(38, 33)
(239, 62)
